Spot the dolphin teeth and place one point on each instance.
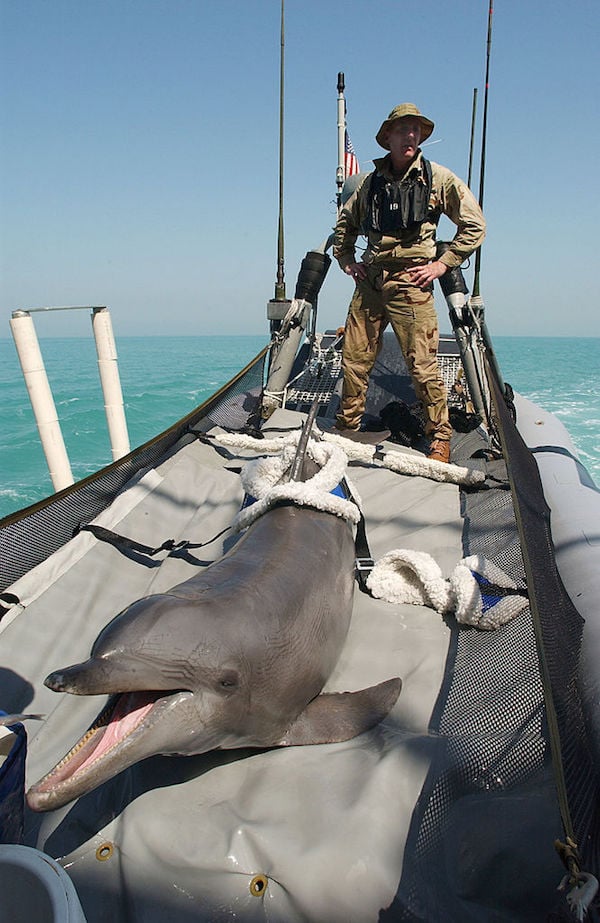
(117, 705)
(102, 720)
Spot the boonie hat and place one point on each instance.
(401, 112)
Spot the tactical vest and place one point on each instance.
(394, 206)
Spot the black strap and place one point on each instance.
(122, 542)
(7, 601)
(364, 562)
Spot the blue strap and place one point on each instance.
(492, 594)
(339, 491)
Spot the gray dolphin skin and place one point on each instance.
(236, 656)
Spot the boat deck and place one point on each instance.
(446, 810)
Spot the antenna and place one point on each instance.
(280, 284)
(483, 141)
(340, 174)
(278, 307)
(473, 117)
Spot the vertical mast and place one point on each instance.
(476, 301)
(473, 116)
(280, 284)
(483, 140)
(340, 174)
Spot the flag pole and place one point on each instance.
(340, 173)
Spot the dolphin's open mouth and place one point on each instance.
(123, 714)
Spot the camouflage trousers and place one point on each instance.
(387, 297)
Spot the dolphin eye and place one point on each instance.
(228, 680)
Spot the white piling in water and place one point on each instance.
(111, 384)
(44, 409)
(42, 402)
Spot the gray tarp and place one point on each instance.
(327, 825)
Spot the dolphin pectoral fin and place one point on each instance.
(333, 717)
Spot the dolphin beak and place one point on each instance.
(105, 676)
(72, 679)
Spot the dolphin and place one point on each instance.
(234, 657)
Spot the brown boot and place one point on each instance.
(439, 450)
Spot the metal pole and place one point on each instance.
(483, 141)
(280, 284)
(473, 115)
(340, 174)
(111, 385)
(42, 402)
(296, 468)
(476, 302)
(279, 305)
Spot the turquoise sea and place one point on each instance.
(163, 378)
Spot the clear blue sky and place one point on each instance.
(139, 151)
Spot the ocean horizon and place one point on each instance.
(164, 378)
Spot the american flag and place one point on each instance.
(350, 159)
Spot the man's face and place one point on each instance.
(403, 139)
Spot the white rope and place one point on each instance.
(419, 466)
(414, 577)
(400, 576)
(355, 451)
(581, 894)
(411, 465)
(405, 576)
(264, 478)
(264, 446)
(277, 395)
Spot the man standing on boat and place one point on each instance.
(397, 207)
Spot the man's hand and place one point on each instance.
(357, 271)
(423, 276)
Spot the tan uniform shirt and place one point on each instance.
(449, 196)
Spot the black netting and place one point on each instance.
(559, 628)
(30, 536)
(475, 843)
(490, 719)
(481, 840)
